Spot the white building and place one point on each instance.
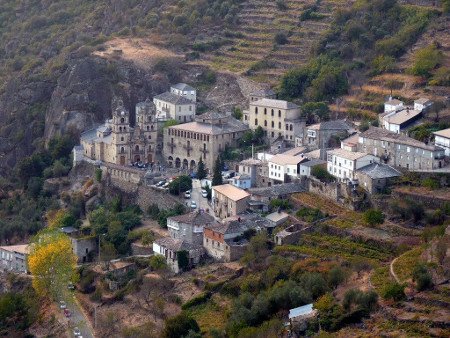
(343, 163)
(242, 181)
(182, 89)
(305, 167)
(396, 121)
(422, 104)
(442, 139)
(393, 105)
(170, 106)
(284, 168)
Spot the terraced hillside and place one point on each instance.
(253, 50)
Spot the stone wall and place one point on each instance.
(84, 248)
(328, 190)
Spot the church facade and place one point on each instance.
(116, 141)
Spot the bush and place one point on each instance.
(179, 326)
(322, 174)
(158, 262)
(281, 38)
(373, 217)
(422, 277)
(180, 184)
(394, 291)
(430, 183)
(425, 60)
(200, 299)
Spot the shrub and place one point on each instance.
(322, 174)
(158, 262)
(373, 217)
(422, 277)
(394, 291)
(425, 60)
(179, 326)
(430, 183)
(281, 38)
(281, 5)
(200, 299)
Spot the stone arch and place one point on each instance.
(192, 165)
(185, 164)
(136, 147)
(170, 161)
(177, 162)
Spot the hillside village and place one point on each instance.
(236, 168)
(230, 199)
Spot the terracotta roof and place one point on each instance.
(195, 217)
(375, 133)
(272, 103)
(231, 192)
(443, 133)
(173, 98)
(349, 155)
(282, 159)
(313, 154)
(21, 248)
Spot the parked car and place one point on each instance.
(187, 194)
(204, 193)
(160, 183)
(62, 304)
(76, 332)
(166, 185)
(67, 313)
(193, 205)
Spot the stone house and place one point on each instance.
(442, 139)
(170, 248)
(399, 150)
(376, 177)
(205, 138)
(184, 90)
(350, 143)
(325, 135)
(13, 258)
(278, 118)
(85, 247)
(343, 164)
(422, 104)
(170, 106)
(117, 142)
(229, 200)
(393, 105)
(249, 167)
(223, 242)
(261, 197)
(241, 181)
(189, 227)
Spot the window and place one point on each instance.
(256, 122)
(272, 112)
(273, 124)
(121, 138)
(279, 113)
(265, 111)
(190, 108)
(290, 127)
(265, 123)
(279, 126)
(256, 110)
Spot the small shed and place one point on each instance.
(299, 317)
(277, 218)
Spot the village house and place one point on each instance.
(350, 143)
(250, 167)
(326, 134)
(343, 164)
(228, 241)
(306, 167)
(184, 90)
(205, 138)
(171, 248)
(170, 106)
(84, 246)
(13, 258)
(278, 118)
(399, 120)
(376, 177)
(284, 168)
(118, 142)
(189, 227)
(399, 150)
(442, 139)
(241, 181)
(422, 104)
(393, 105)
(228, 200)
(261, 197)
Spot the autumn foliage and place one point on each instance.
(52, 263)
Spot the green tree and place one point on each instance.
(201, 171)
(394, 291)
(217, 174)
(319, 109)
(183, 260)
(98, 174)
(170, 123)
(158, 262)
(373, 217)
(422, 277)
(425, 60)
(181, 184)
(237, 113)
(179, 326)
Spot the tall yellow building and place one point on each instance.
(116, 141)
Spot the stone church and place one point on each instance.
(116, 141)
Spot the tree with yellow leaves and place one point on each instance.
(59, 218)
(52, 263)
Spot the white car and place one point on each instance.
(193, 205)
(62, 304)
(76, 332)
(187, 194)
(204, 193)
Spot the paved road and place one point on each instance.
(196, 195)
(78, 319)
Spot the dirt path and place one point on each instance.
(391, 269)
